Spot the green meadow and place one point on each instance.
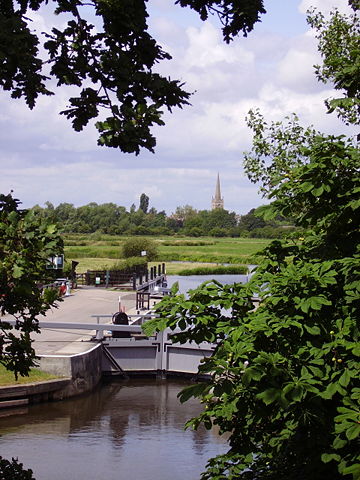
(95, 251)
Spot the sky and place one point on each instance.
(43, 159)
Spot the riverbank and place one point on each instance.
(7, 377)
(12, 396)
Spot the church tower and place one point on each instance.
(217, 201)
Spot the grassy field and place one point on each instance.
(96, 251)
(7, 378)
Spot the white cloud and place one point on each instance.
(296, 70)
(324, 6)
(207, 49)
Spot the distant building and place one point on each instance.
(217, 201)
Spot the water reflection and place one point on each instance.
(123, 429)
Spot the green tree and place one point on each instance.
(285, 376)
(250, 221)
(144, 202)
(65, 216)
(339, 45)
(26, 243)
(133, 247)
(285, 383)
(220, 218)
(112, 64)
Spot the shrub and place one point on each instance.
(218, 232)
(187, 243)
(129, 264)
(133, 247)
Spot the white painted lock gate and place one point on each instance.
(153, 355)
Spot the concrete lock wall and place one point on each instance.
(83, 369)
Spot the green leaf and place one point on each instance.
(328, 457)
(345, 378)
(267, 212)
(17, 271)
(317, 192)
(175, 288)
(307, 186)
(317, 302)
(339, 443)
(251, 373)
(330, 391)
(353, 432)
(50, 229)
(356, 350)
(315, 330)
(269, 396)
(193, 391)
(353, 470)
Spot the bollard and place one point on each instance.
(68, 291)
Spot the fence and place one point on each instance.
(139, 278)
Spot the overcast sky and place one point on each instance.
(42, 159)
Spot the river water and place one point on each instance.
(192, 281)
(124, 430)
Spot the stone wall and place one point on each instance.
(84, 371)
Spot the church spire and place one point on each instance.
(217, 201)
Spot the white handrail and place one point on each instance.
(98, 327)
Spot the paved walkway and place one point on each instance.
(79, 307)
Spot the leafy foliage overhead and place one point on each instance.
(111, 64)
(236, 17)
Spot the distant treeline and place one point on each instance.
(110, 218)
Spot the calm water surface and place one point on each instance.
(124, 430)
(190, 282)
